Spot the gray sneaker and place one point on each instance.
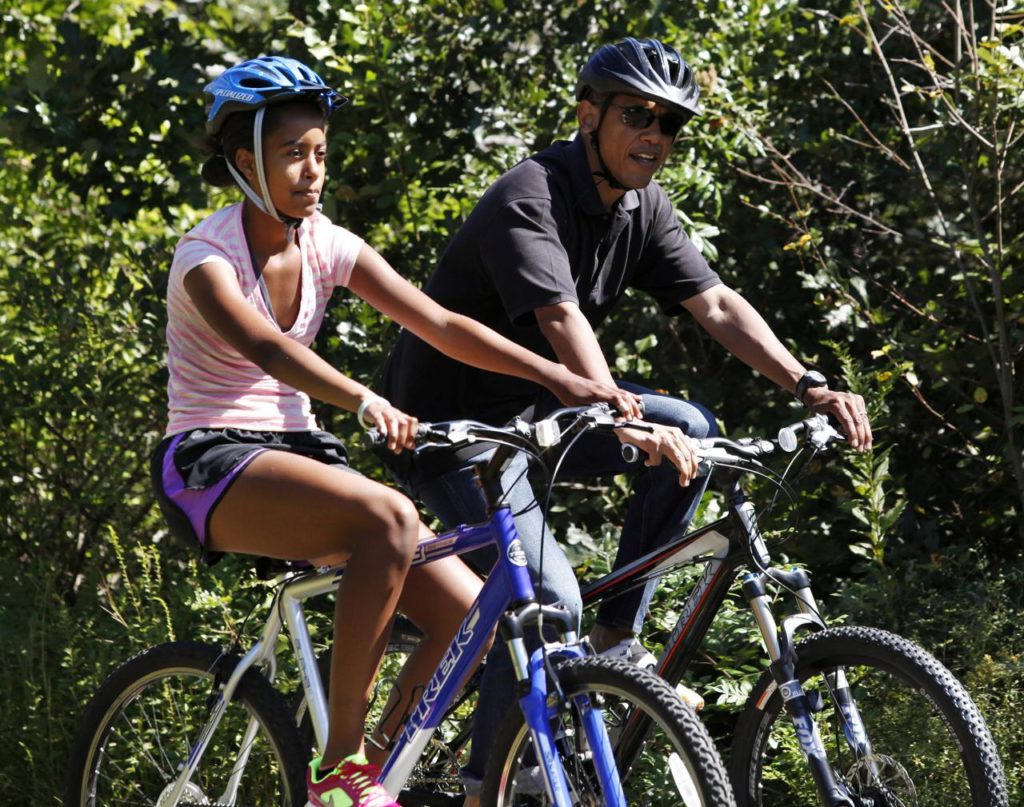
(631, 651)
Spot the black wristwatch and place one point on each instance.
(812, 378)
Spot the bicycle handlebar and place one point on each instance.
(553, 430)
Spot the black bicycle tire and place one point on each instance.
(644, 687)
(845, 646)
(253, 691)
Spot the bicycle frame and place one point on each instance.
(506, 601)
(726, 546)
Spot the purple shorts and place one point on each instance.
(193, 470)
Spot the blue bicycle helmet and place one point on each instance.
(263, 81)
(253, 86)
(646, 68)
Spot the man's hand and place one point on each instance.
(575, 390)
(665, 442)
(846, 407)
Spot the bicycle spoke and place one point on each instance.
(134, 756)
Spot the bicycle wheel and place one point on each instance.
(435, 781)
(678, 764)
(930, 745)
(141, 724)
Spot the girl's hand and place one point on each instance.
(575, 390)
(399, 427)
(665, 442)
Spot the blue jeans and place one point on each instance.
(658, 510)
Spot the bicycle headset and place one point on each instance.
(254, 85)
(646, 68)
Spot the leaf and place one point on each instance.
(646, 343)
(861, 515)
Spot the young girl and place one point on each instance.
(243, 467)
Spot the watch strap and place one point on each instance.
(810, 379)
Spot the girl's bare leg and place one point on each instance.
(288, 506)
(436, 598)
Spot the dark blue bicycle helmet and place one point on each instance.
(646, 68)
(263, 81)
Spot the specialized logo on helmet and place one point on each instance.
(244, 97)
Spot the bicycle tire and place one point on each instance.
(923, 726)
(140, 725)
(679, 764)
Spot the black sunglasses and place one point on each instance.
(640, 117)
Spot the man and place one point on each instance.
(543, 259)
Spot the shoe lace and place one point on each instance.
(363, 779)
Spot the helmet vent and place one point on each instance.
(255, 83)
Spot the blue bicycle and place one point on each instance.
(186, 723)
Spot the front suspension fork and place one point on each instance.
(780, 644)
(531, 671)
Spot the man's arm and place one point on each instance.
(576, 346)
(734, 324)
(573, 340)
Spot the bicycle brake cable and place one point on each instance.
(532, 455)
(781, 485)
(765, 570)
(236, 644)
(544, 526)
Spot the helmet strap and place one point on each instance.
(262, 199)
(261, 176)
(605, 173)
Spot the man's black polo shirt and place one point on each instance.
(539, 236)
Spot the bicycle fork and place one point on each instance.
(532, 673)
(260, 654)
(780, 644)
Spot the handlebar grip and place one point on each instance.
(374, 438)
(630, 453)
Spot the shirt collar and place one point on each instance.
(586, 188)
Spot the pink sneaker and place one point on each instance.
(352, 783)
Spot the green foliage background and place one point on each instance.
(854, 175)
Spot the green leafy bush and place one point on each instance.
(855, 175)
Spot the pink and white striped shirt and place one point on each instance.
(211, 384)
